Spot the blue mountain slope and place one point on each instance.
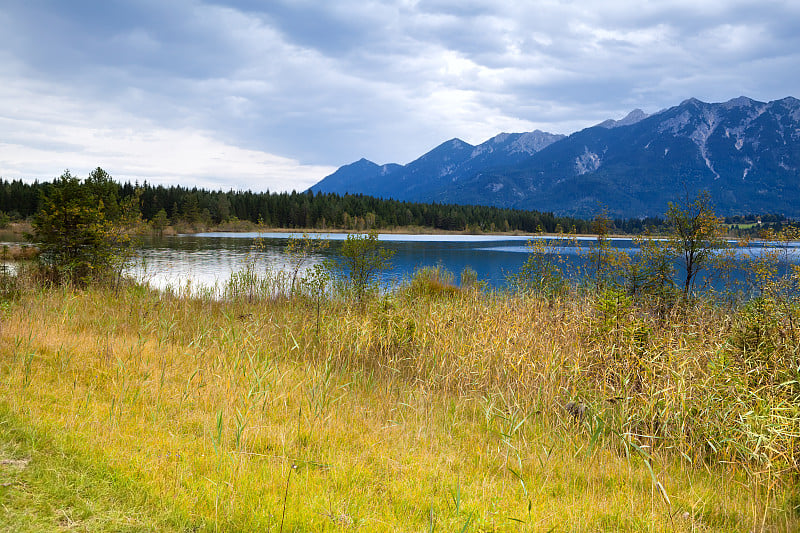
(358, 177)
(436, 170)
(746, 153)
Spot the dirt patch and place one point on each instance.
(18, 464)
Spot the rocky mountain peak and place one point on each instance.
(633, 117)
(741, 101)
(691, 102)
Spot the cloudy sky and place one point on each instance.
(275, 94)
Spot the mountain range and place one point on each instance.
(744, 152)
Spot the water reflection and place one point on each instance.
(208, 259)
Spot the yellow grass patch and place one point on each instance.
(412, 414)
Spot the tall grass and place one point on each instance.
(432, 407)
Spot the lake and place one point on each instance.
(208, 259)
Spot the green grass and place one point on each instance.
(431, 410)
(62, 486)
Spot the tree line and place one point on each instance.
(176, 204)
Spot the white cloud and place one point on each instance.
(43, 134)
(154, 155)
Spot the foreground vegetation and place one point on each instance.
(431, 408)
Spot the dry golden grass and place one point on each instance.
(412, 413)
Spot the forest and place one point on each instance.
(195, 206)
(179, 205)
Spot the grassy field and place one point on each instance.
(430, 409)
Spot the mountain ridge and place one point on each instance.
(746, 153)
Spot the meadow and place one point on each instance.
(432, 407)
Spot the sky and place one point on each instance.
(276, 94)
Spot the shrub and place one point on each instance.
(362, 258)
(546, 271)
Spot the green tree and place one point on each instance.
(696, 234)
(129, 219)
(159, 222)
(78, 242)
(362, 259)
(190, 208)
(223, 208)
(101, 184)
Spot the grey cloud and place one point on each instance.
(330, 82)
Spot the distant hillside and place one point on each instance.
(435, 171)
(746, 153)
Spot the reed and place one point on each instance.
(431, 407)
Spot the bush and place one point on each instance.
(361, 260)
(546, 271)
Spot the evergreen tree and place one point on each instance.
(77, 240)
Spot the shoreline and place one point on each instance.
(411, 230)
(16, 231)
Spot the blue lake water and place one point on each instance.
(208, 259)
